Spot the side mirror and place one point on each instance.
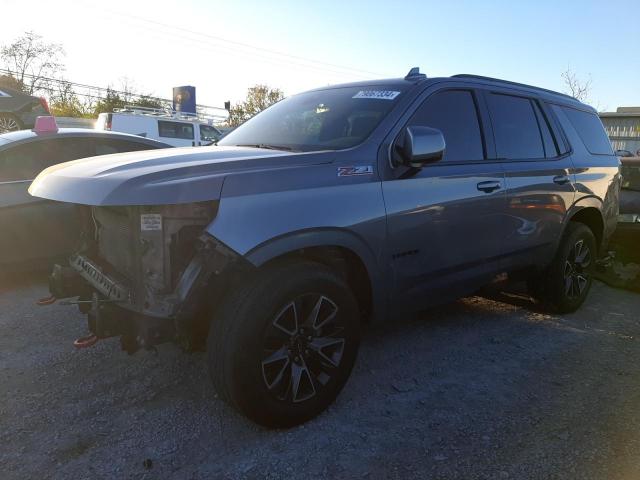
(422, 145)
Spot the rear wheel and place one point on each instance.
(9, 123)
(282, 347)
(566, 283)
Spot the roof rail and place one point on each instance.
(169, 113)
(508, 82)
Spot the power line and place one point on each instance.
(106, 90)
(343, 69)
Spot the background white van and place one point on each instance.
(175, 128)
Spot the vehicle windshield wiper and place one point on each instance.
(269, 147)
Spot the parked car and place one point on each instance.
(623, 268)
(624, 153)
(175, 128)
(32, 230)
(19, 110)
(330, 209)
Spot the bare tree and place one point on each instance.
(32, 61)
(577, 88)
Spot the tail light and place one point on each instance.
(107, 123)
(45, 105)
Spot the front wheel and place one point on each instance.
(566, 284)
(283, 345)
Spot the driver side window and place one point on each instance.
(454, 113)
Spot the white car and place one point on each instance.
(175, 128)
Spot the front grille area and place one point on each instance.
(116, 239)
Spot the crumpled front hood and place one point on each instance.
(156, 177)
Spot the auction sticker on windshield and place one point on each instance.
(377, 94)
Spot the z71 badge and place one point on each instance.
(353, 171)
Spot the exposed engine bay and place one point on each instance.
(138, 272)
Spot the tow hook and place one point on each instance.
(86, 342)
(50, 300)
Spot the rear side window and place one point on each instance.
(25, 162)
(108, 146)
(515, 127)
(175, 130)
(453, 112)
(590, 129)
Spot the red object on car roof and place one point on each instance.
(45, 124)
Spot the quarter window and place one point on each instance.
(175, 130)
(591, 131)
(453, 112)
(515, 127)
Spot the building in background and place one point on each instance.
(623, 128)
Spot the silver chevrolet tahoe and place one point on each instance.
(331, 209)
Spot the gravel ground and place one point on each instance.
(484, 388)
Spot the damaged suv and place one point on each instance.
(330, 209)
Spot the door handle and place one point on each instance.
(489, 186)
(561, 179)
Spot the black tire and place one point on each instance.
(256, 359)
(9, 123)
(564, 286)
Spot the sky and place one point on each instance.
(224, 47)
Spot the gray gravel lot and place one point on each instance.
(482, 388)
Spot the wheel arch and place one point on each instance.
(588, 211)
(338, 249)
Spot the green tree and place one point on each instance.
(110, 101)
(64, 102)
(149, 101)
(258, 98)
(32, 61)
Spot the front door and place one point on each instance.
(445, 222)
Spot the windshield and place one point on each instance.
(330, 119)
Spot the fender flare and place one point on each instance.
(590, 201)
(328, 237)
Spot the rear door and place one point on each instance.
(539, 180)
(445, 221)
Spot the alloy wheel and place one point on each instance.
(576, 270)
(8, 124)
(303, 348)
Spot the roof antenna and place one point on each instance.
(414, 74)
